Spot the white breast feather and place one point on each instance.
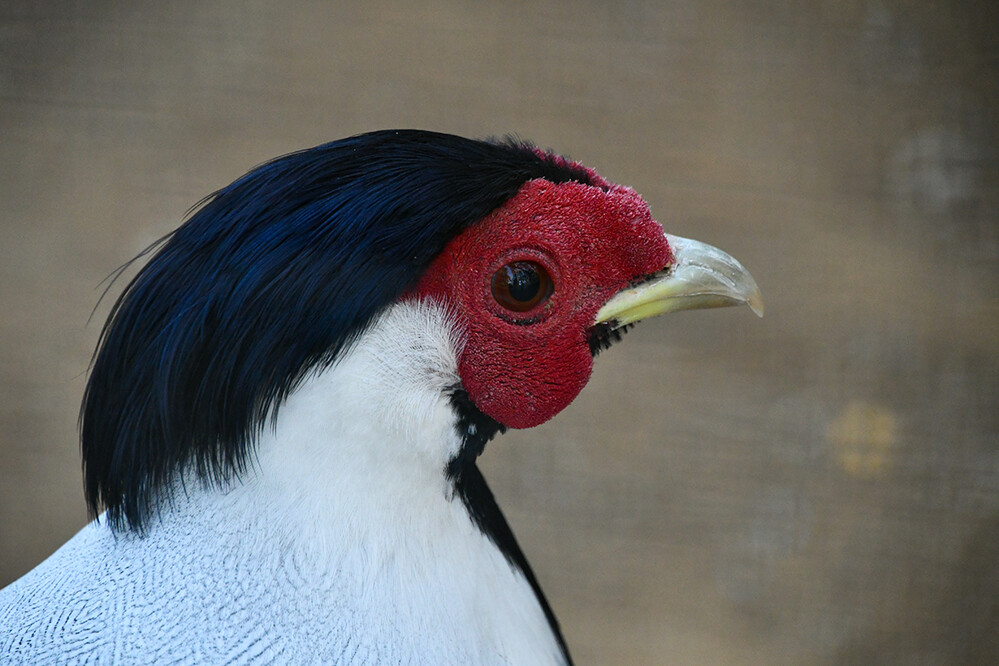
(343, 545)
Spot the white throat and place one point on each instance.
(372, 433)
(349, 485)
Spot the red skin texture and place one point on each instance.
(522, 369)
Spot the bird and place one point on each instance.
(283, 415)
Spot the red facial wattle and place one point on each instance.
(523, 362)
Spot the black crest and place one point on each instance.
(273, 276)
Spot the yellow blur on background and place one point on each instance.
(817, 487)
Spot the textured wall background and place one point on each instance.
(821, 486)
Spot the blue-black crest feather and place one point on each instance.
(273, 276)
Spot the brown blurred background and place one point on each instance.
(820, 486)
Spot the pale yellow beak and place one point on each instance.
(702, 277)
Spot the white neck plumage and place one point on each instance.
(350, 480)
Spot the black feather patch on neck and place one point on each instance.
(476, 429)
(273, 276)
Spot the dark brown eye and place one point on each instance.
(522, 285)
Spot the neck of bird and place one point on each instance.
(365, 487)
(359, 451)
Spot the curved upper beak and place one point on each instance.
(702, 277)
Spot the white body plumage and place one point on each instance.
(344, 543)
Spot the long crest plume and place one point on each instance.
(273, 276)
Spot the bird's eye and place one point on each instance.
(522, 285)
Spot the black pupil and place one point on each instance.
(524, 282)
